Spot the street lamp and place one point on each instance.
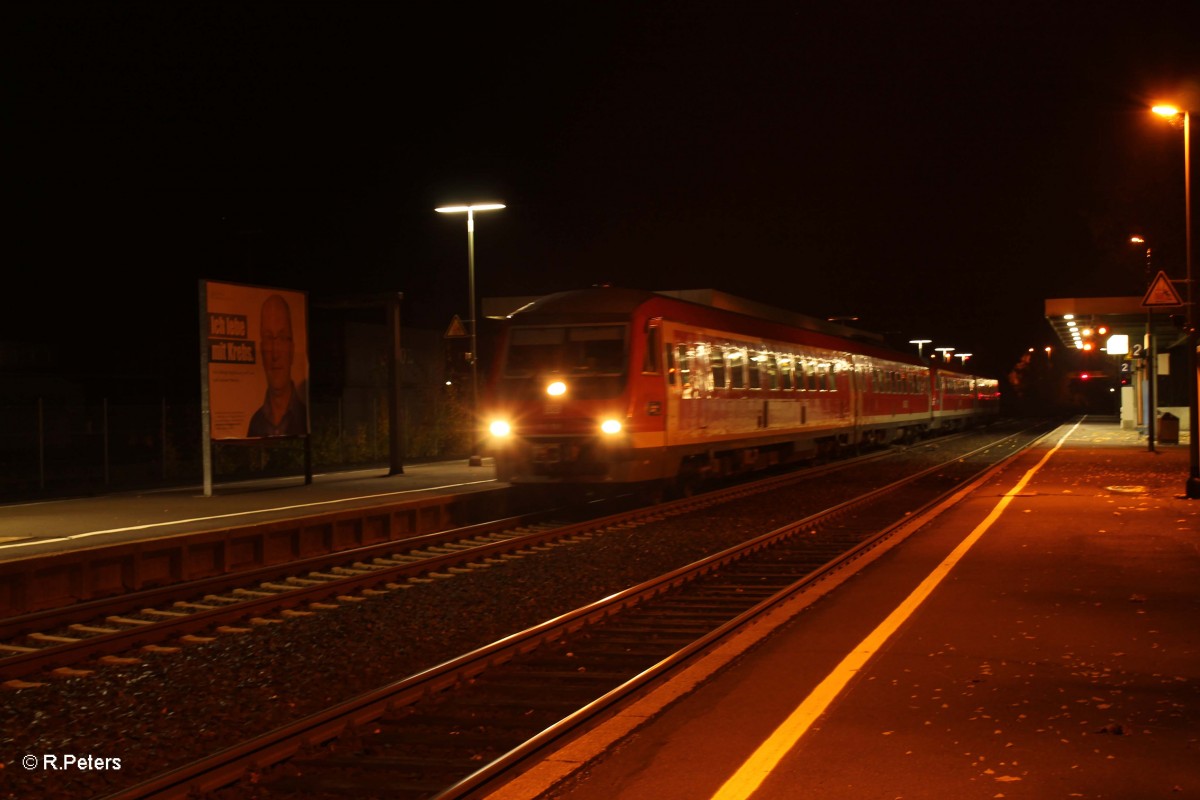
(920, 343)
(964, 357)
(476, 460)
(945, 351)
(1192, 488)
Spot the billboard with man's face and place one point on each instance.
(256, 349)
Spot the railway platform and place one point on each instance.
(1039, 639)
(63, 525)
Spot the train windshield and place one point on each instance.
(591, 350)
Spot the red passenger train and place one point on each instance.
(617, 388)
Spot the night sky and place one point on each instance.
(937, 169)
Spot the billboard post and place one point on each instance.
(205, 419)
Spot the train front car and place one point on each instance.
(576, 397)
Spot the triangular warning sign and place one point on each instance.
(1162, 292)
(456, 329)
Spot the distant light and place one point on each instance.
(1137, 240)
(1068, 316)
(500, 428)
(610, 426)
(556, 389)
(1166, 111)
(449, 383)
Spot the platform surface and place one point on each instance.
(31, 528)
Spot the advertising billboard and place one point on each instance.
(256, 353)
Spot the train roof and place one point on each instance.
(699, 306)
(616, 304)
(615, 300)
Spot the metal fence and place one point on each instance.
(54, 447)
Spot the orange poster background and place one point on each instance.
(237, 384)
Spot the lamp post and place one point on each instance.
(964, 357)
(1192, 488)
(1148, 350)
(945, 351)
(920, 343)
(475, 460)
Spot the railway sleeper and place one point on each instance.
(736, 589)
(490, 708)
(649, 636)
(389, 787)
(407, 738)
(385, 760)
(706, 609)
(579, 674)
(436, 724)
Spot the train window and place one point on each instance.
(716, 360)
(785, 372)
(737, 369)
(754, 370)
(684, 360)
(595, 350)
(672, 377)
(529, 349)
(587, 350)
(771, 366)
(650, 363)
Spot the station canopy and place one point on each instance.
(1121, 315)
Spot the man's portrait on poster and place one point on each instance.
(283, 412)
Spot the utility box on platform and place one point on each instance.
(1168, 428)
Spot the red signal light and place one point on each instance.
(1083, 376)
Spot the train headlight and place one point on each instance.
(500, 429)
(611, 426)
(556, 389)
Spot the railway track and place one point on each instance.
(463, 726)
(113, 630)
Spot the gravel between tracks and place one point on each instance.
(170, 709)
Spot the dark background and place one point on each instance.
(936, 169)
